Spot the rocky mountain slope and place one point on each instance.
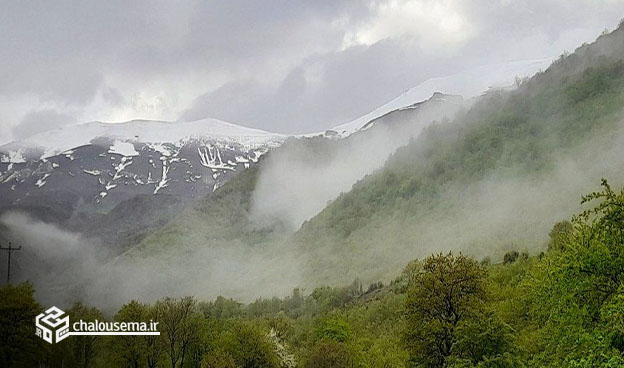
(77, 176)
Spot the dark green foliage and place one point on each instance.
(483, 337)
(329, 354)
(135, 351)
(559, 235)
(79, 351)
(511, 257)
(19, 347)
(221, 308)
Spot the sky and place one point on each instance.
(285, 66)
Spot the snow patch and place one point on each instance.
(468, 84)
(154, 133)
(92, 172)
(42, 181)
(125, 162)
(210, 157)
(123, 148)
(164, 180)
(16, 157)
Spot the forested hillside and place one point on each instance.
(560, 308)
(496, 178)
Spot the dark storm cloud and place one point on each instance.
(349, 83)
(41, 120)
(282, 65)
(345, 83)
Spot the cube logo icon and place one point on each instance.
(52, 325)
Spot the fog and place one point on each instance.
(298, 180)
(507, 209)
(295, 183)
(65, 267)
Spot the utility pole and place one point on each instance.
(9, 250)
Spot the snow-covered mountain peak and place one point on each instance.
(53, 142)
(468, 84)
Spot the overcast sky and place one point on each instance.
(285, 66)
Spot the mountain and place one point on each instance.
(492, 175)
(174, 202)
(236, 242)
(85, 177)
(496, 178)
(469, 83)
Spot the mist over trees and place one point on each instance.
(468, 248)
(560, 308)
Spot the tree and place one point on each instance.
(248, 346)
(333, 328)
(559, 235)
(179, 327)
(511, 257)
(82, 351)
(132, 351)
(483, 336)
(575, 296)
(19, 346)
(152, 342)
(329, 354)
(439, 297)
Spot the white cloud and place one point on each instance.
(434, 24)
(284, 65)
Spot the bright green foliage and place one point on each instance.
(333, 328)
(247, 346)
(562, 309)
(576, 293)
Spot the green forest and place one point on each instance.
(563, 307)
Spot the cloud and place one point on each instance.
(291, 66)
(66, 267)
(41, 120)
(444, 20)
